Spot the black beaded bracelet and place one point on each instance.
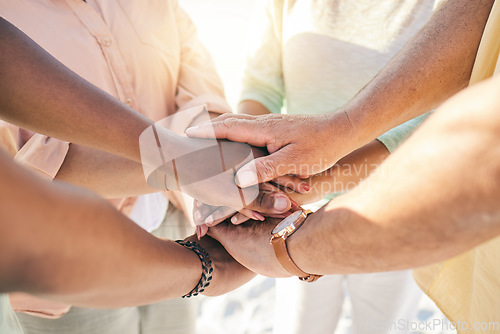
(206, 265)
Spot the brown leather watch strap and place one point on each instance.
(281, 251)
(278, 241)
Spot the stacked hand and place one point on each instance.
(228, 274)
(205, 169)
(249, 245)
(293, 151)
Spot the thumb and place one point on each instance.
(264, 169)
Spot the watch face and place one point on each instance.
(287, 222)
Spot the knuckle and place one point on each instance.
(229, 123)
(265, 169)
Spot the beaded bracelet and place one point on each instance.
(206, 265)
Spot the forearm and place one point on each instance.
(431, 67)
(112, 176)
(106, 174)
(73, 247)
(434, 198)
(250, 107)
(345, 174)
(41, 94)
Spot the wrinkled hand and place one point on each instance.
(249, 244)
(228, 274)
(298, 144)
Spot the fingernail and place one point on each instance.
(209, 220)
(305, 187)
(198, 232)
(246, 178)
(234, 219)
(258, 216)
(197, 215)
(192, 130)
(280, 204)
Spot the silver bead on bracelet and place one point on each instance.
(206, 264)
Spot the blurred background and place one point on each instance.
(223, 27)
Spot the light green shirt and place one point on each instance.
(8, 320)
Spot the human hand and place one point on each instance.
(205, 216)
(249, 244)
(298, 144)
(228, 274)
(36, 306)
(319, 185)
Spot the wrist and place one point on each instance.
(284, 230)
(300, 248)
(342, 133)
(206, 267)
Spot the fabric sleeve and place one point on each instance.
(9, 138)
(263, 76)
(394, 137)
(43, 155)
(198, 81)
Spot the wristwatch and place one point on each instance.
(278, 239)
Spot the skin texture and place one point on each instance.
(439, 60)
(26, 67)
(446, 205)
(55, 249)
(104, 124)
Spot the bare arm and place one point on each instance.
(344, 175)
(58, 99)
(432, 66)
(73, 247)
(434, 198)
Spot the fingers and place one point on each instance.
(266, 168)
(294, 183)
(240, 128)
(270, 200)
(239, 218)
(219, 215)
(245, 215)
(212, 215)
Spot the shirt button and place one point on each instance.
(106, 41)
(129, 101)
